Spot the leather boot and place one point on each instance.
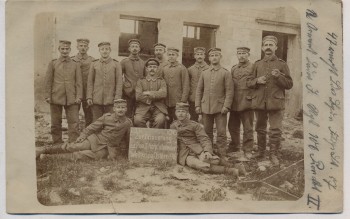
(241, 169)
(221, 169)
(273, 155)
(54, 149)
(259, 154)
(65, 156)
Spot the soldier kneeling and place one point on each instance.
(101, 139)
(195, 147)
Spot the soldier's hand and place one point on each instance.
(198, 110)
(276, 73)
(78, 101)
(261, 80)
(80, 139)
(47, 100)
(207, 155)
(201, 157)
(200, 118)
(89, 102)
(224, 110)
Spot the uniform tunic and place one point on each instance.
(84, 62)
(270, 96)
(191, 138)
(105, 81)
(194, 72)
(63, 82)
(109, 130)
(177, 80)
(133, 70)
(214, 90)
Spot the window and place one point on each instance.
(196, 35)
(141, 28)
(282, 44)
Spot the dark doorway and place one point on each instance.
(282, 44)
(197, 35)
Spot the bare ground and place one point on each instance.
(86, 182)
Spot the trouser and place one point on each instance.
(171, 114)
(72, 115)
(131, 105)
(195, 163)
(87, 113)
(220, 121)
(245, 118)
(99, 110)
(74, 151)
(275, 120)
(192, 110)
(153, 115)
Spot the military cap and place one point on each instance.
(87, 41)
(243, 48)
(119, 101)
(217, 50)
(173, 49)
(159, 44)
(104, 44)
(199, 49)
(64, 42)
(134, 41)
(152, 61)
(182, 106)
(272, 38)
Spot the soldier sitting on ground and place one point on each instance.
(101, 139)
(195, 147)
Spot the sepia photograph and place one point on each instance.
(227, 85)
(198, 107)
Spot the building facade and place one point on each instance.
(181, 29)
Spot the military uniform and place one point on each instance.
(194, 72)
(133, 70)
(268, 100)
(241, 111)
(215, 91)
(178, 87)
(103, 137)
(192, 140)
(64, 87)
(151, 108)
(104, 85)
(85, 62)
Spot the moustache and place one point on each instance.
(268, 50)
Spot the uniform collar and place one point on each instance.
(184, 122)
(204, 64)
(149, 78)
(160, 60)
(132, 58)
(240, 65)
(80, 56)
(271, 58)
(174, 64)
(62, 59)
(105, 60)
(215, 68)
(119, 119)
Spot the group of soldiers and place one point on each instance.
(160, 93)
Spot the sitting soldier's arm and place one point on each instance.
(140, 97)
(161, 93)
(94, 127)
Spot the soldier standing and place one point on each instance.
(104, 82)
(159, 53)
(176, 78)
(64, 89)
(151, 92)
(241, 112)
(194, 72)
(214, 99)
(270, 79)
(133, 69)
(104, 137)
(85, 61)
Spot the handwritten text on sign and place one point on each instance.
(151, 146)
(323, 111)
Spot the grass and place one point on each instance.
(214, 194)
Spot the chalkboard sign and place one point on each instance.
(152, 146)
